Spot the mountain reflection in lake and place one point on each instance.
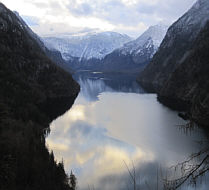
(114, 121)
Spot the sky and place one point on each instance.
(130, 17)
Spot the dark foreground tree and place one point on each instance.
(72, 181)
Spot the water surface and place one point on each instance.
(114, 123)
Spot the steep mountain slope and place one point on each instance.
(135, 54)
(85, 47)
(153, 36)
(33, 92)
(54, 55)
(189, 83)
(179, 70)
(176, 46)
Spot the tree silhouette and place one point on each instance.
(72, 181)
(193, 168)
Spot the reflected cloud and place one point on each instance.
(77, 113)
(90, 148)
(57, 146)
(111, 126)
(114, 157)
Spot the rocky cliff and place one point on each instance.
(176, 45)
(189, 83)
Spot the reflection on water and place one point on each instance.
(114, 121)
(93, 84)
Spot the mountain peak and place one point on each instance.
(154, 34)
(197, 15)
(2, 5)
(88, 46)
(199, 3)
(176, 45)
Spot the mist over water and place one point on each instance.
(114, 123)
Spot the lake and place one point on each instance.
(115, 126)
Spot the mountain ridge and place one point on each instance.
(175, 46)
(89, 46)
(135, 54)
(53, 54)
(34, 91)
(179, 70)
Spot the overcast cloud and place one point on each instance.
(126, 16)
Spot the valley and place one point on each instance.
(92, 108)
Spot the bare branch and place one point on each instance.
(190, 171)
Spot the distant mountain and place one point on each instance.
(93, 45)
(136, 54)
(148, 42)
(107, 51)
(179, 70)
(34, 91)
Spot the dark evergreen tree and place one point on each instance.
(72, 181)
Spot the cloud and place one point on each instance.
(30, 20)
(131, 13)
(83, 9)
(130, 16)
(113, 11)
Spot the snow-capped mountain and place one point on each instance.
(88, 46)
(150, 39)
(135, 54)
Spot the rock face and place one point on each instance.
(176, 46)
(189, 83)
(179, 70)
(56, 57)
(33, 92)
(134, 55)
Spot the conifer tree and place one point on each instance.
(72, 181)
